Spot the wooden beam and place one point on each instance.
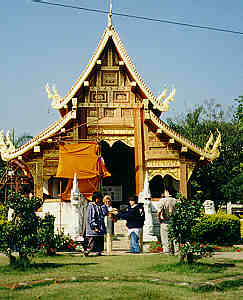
(74, 103)
(139, 149)
(86, 83)
(146, 115)
(183, 179)
(146, 103)
(36, 148)
(184, 149)
(133, 85)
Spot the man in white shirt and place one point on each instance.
(166, 209)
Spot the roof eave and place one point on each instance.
(45, 134)
(203, 155)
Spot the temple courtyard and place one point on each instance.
(124, 276)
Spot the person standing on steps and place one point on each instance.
(109, 223)
(166, 209)
(135, 217)
(95, 225)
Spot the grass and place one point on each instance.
(148, 277)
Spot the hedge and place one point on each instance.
(220, 229)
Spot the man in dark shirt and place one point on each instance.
(135, 217)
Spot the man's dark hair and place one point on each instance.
(96, 195)
(133, 198)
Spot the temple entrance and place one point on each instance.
(158, 184)
(119, 161)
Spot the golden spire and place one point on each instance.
(110, 15)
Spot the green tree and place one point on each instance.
(21, 233)
(212, 178)
(187, 214)
(233, 189)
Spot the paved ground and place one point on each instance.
(229, 255)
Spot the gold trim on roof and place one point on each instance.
(49, 131)
(210, 154)
(110, 32)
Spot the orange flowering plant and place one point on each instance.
(65, 242)
(236, 249)
(196, 250)
(155, 247)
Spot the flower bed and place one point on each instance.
(155, 247)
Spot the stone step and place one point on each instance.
(120, 239)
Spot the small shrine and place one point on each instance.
(110, 134)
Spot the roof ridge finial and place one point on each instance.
(110, 16)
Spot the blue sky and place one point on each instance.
(41, 43)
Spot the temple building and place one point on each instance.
(110, 133)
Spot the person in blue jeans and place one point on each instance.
(135, 217)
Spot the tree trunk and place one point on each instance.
(189, 258)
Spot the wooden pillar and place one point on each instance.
(139, 156)
(183, 178)
(75, 131)
(82, 121)
(37, 174)
(139, 149)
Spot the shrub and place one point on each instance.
(181, 223)
(65, 242)
(220, 229)
(46, 235)
(3, 213)
(20, 234)
(186, 215)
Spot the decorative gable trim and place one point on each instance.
(186, 144)
(45, 134)
(111, 33)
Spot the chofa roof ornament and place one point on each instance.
(212, 146)
(6, 145)
(54, 95)
(166, 100)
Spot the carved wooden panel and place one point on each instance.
(92, 112)
(104, 58)
(121, 97)
(173, 172)
(138, 99)
(109, 112)
(127, 113)
(110, 78)
(153, 138)
(116, 59)
(98, 97)
(50, 171)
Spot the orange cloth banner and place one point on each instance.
(86, 187)
(83, 159)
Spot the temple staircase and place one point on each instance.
(120, 240)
